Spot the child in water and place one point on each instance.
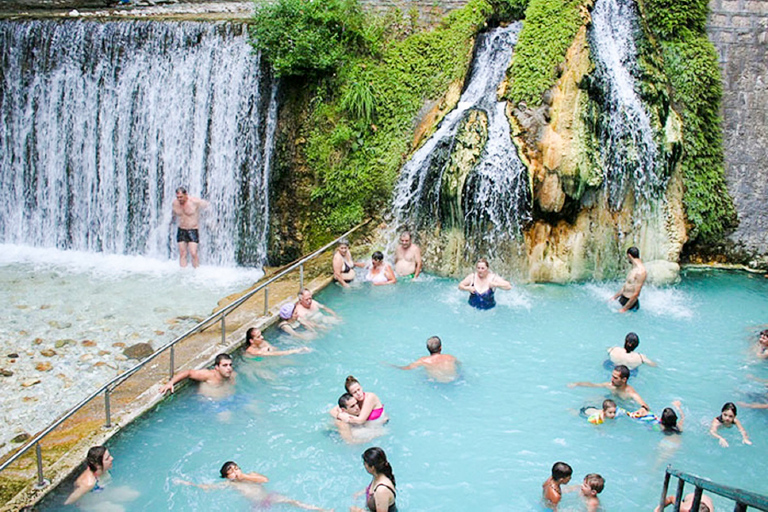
(728, 419)
(552, 492)
(668, 423)
(592, 486)
(598, 417)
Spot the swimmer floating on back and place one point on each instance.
(481, 285)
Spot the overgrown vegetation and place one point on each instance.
(362, 113)
(549, 29)
(303, 38)
(692, 67)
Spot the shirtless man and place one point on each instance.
(629, 294)
(627, 355)
(215, 383)
(186, 211)
(310, 312)
(350, 433)
(441, 367)
(706, 504)
(618, 386)
(407, 257)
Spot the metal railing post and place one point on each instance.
(301, 277)
(173, 361)
(107, 411)
(41, 481)
(266, 300)
(664, 489)
(223, 329)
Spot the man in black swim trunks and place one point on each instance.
(186, 210)
(629, 294)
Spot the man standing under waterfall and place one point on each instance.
(407, 257)
(186, 211)
(629, 294)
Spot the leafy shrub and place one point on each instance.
(309, 37)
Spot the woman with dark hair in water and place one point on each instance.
(481, 285)
(99, 462)
(380, 273)
(380, 494)
(257, 346)
(371, 408)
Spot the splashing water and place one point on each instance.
(101, 122)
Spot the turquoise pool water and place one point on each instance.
(487, 441)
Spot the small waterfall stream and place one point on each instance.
(101, 122)
(628, 152)
(494, 199)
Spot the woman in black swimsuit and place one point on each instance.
(343, 264)
(380, 493)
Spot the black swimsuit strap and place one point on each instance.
(388, 487)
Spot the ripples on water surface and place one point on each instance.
(488, 441)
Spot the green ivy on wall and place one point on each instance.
(548, 31)
(691, 64)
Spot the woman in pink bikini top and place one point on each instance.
(371, 407)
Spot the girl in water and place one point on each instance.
(481, 285)
(728, 419)
(258, 346)
(99, 462)
(380, 494)
(380, 272)
(371, 408)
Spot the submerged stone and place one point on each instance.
(138, 351)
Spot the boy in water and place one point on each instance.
(592, 486)
(561, 475)
(598, 417)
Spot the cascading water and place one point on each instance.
(494, 198)
(101, 122)
(629, 155)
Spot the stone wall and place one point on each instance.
(739, 31)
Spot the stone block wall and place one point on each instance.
(430, 11)
(739, 31)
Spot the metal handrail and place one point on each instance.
(204, 324)
(742, 498)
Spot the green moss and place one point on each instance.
(693, 70)
(549, 29)
(362, 119)
(677, 20)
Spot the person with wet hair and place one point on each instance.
(627, 355)
(371, 408)
(441, 367)
(629, 294)
(186, 211)
(381, 493)
(99, 462)
(257, 347)
(380, 272)
(222, 377)
(552, 491)
(618, 386)
(728, 419)
(250, 486)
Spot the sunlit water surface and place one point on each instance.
(487, 441)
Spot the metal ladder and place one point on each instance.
(744, 499)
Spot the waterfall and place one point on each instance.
(629, 155)
(494, 199)
(101, 122)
